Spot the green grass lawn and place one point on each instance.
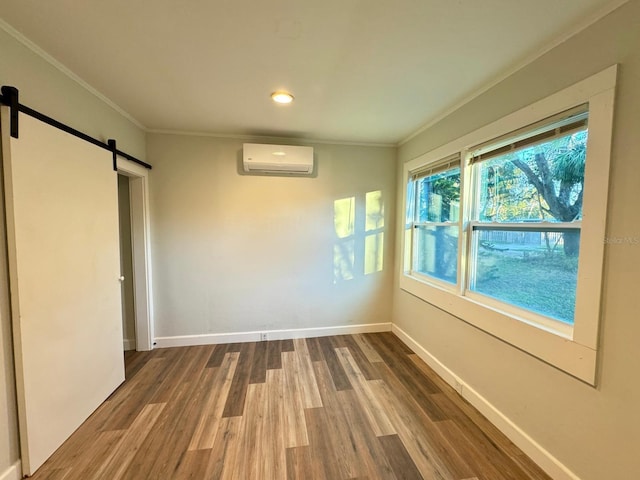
(535, 280)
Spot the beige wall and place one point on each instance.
(46, 89)
(595, 432)
(237, 253)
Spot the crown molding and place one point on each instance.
(63, 69)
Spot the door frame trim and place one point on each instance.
(141, 249)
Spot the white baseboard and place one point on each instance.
(129, 344)
(14, 472)
(238, 337)
(528, 445)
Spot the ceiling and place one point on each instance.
(362, 71)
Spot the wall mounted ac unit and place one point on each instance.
(277, 159)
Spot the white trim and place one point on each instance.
(567, 34)
(256, 336)
(128, 344)
(297, 140)
(58, 65)
(14, 472)
(141, 249)
(542, 457)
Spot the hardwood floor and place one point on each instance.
(330, 408)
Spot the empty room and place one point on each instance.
(320, 240)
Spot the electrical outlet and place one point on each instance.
(263, 336)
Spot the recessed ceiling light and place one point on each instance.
(282, 97)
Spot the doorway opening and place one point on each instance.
(133, 206)
(126, 265)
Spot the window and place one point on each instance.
(525, 230)
(435, 208)
(505, 226)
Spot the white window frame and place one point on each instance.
(450, 165)
(573, 350)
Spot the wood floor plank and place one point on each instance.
(400, 460)
(73, 461)
(274, 432)
(399, 360)
(259, 364)
(207, 427)
(331, 434)
(251, 434)
(192, 360)
(338, 375)
(134, 361)
(501, 451)
(374, 413)
(238, 391)
(236, 347)
(530, 469)
(58, 474)
(364, 365)
(484, 466)
(417, 431)
(308, 386)
(153, 384)
(415, 437)
(313, 345)
(370, 352)
(393, 341)
(350, 432)
(414, 381)
(224, 453)
(295, 429)
(193, 465)
(370, 458)
(300, 466)
(123, 452)
(89, 462)
(128, 400)
(323, 445)
(274, 358)
(330, 408)
(161, 454)
(287, 345)
(219, 351)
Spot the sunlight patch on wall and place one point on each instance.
(373, 250)
(374, 206)
(344, 214)
(359, 227)
(374, 237)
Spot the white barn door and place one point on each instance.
(62, 229)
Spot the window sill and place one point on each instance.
(552, 347)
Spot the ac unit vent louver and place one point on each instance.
(277, 159)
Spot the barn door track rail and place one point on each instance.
(9, 97)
